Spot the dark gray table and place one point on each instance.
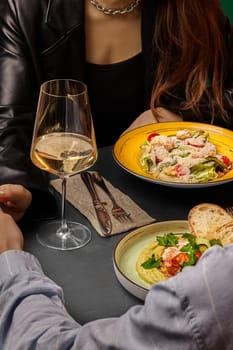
(86, 275)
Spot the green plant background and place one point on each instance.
(227, 6)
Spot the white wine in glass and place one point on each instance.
(63, 144)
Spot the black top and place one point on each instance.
(115, 101)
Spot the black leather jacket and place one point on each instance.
(42, 40)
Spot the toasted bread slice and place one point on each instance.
(225, 233)
(206, 218)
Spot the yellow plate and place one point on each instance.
(127, 149)
(129, 247)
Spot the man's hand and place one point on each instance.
(10, 235)
(14, 200)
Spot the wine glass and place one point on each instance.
(63, 144)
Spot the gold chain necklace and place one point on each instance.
(114, 11)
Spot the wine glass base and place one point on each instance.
(77, 236)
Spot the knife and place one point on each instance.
(101, 212)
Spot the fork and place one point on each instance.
(117, 211)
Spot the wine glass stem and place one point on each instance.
(63, 230)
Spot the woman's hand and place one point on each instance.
(147, 117)
(10, 235)
(14, 200)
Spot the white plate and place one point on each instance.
(130, 246)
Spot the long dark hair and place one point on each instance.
(191, 51)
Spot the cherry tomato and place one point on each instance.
(173, 270)
(226, 160)
(198, 254)
(180, 258)
(180, 170)
(151, 136)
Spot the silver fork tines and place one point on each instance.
(117, 211)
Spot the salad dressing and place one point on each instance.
(188, 156)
